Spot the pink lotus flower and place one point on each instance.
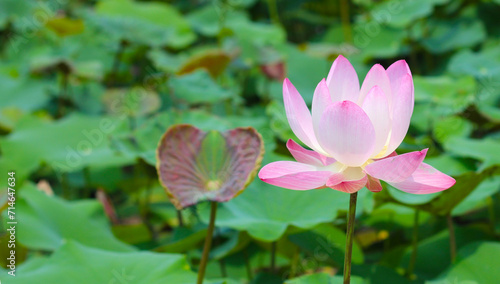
(354, 134)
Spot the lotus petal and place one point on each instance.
(425, 180)
(346, 133)
(321, 101)
(350, 180)
(351, 186)
(373, 184)
(307, 156)
(298, 116)
(376, 107)
(342, 81)
(397, 168)
(402, 109)
(396, 72)
(293, 175)
(377, 76)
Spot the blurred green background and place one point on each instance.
(88, 87)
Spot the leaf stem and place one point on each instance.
(273, 256)
(273, 12)
(146, 213)
(208, 242)
(247, 264)
(116, 62)
(179, 218)
(350, 234)
(222, 265)
(88, 184)
(344, 18)
(65, 186)
(294, 263)
(453, 244)
(491, 213)
(63, 95)
(414, 245)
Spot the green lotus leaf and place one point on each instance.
(327, 242)
(426, 249)
(14, 10)
(485, 150)
(49, 222)
(446, 35)
(474, 265)
(478, 198)
(198, 87)
(67, 145)
(25, 94)
(152, 23)
(481, 65)
(319, 278)
(194, 165)
(76, 263)
(452, 94)
(402, 13)
(266, 211)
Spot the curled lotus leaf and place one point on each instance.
(194, 165)
(136, 101)
(214, 61)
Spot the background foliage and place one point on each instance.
(88, 87)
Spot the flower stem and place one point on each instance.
(414, 245)
(453, 244)
(208, 242)
(350, 234)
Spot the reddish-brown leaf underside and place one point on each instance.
(186, 179)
